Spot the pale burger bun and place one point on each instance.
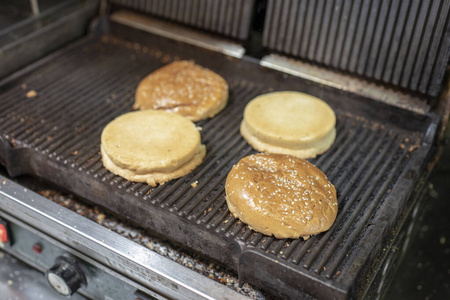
(281, 195)
(289, 123)
(151, 146)
(184, 88)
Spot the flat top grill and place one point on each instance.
(374, 162)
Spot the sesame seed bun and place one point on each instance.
(184, 88)
(289, 123)
(281, 195)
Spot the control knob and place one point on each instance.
(66, 277)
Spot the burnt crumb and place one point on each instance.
(74, 152)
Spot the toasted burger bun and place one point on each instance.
(151, 146)
(289, 123)
(281, 195)
(184, 88)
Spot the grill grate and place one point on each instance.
(228, 17)
(91, 82)
(405, 43)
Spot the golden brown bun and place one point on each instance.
(184, 88)
(289, 123)
(281, 195)
(151, 146)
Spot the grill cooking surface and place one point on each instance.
(56, 135)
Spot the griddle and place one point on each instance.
(375, 162)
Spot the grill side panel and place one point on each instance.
(405, 43)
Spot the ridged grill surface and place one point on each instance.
(227, 17)
(405, 43)
(87, 85)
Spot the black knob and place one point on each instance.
(66, 277)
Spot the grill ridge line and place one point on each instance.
(388, 36)
(91, 142)
(423, 54)
(47, 102)
(341, 34)
(356, 212)
(282, 31)
(85, 114)
(93, 139)
(427, 80)
(307, 26)
(417, 39)
(405, 44)
(324, 37)
(350, 183)
(290, 33)
(316, 29)
(186, 191)
(363, 138)
(239, 147)
(367, 41)
(203, 170)
(53, 67)
(18, 105)
(354, 34)
(48, 145)
(342, 127)
(374, 52)
(325, 168)
(338, 141)
(361, 222)
(23, 131)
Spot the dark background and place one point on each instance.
(424, 272)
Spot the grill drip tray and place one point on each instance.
(377, 157)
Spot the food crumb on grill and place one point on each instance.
(324, 268)
(413, 147)
(74, 152)
(223, 280)
(338, 273)
(24, 86)
(4, 181)
(10, 282)
(194, 184)
(402, 146)
(31, 94)
(100, 218)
